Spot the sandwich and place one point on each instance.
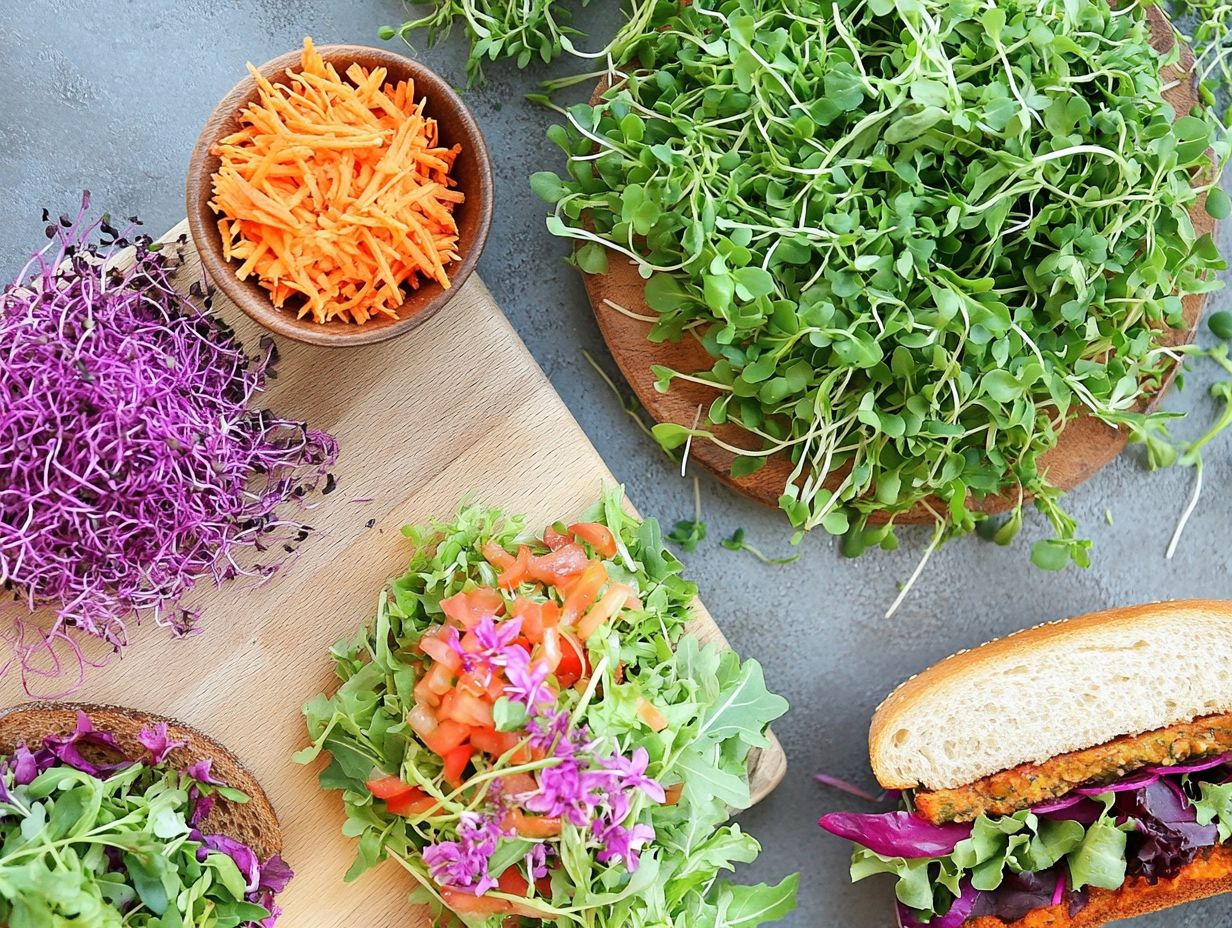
(111, 817)
(1065, 776)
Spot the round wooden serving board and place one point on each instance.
(1083, 448)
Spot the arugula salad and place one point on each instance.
(529, 730)
(106, 844)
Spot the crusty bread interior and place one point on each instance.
(1053, 689)
(254, 822)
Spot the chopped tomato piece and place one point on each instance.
(536, 617)
(515, 573)
(455, 762)
(493, 742)
(532, 826)
(424, 696)
(495, 555)
(514, 783)
(551, 648)
(439, 679)
(466, 609)
(555, 540)
(574, 664)
(649, 713)
(416, 802)
(447, 736)
(563, 563)
(422, 720)
(465, 903)
(583, 592)
(671, 795)
(598, 536)
(388, 787)
(477, 683)
(611, 603)
(465, 709)
(512, 882)
(437, 648)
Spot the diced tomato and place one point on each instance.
(439, 679)
(495, 555)
(515, 573)
(416, 802)
(466, 609)
(465, 903)
(477, 683)
(536, 617)
(437, 648)
(447, 736)
(573, 661)
(598, 536)
(422, 720)
(553, 539)
(649, 713)
(522, 642)
(465, 709)
(455, 762)
(514, 783)
(563, 563)
(532, 826)
(551, 648)
(671, 795)
(387, 787)
(512, 882)
(583, 592)
(424, 696)
(493, 742)
(611, 603)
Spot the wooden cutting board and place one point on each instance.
(458, 408)
(1082, 449)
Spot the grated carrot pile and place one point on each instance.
(337, 192)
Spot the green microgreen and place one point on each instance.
(917, 239)
(736, 542)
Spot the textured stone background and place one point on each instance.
(110, 95)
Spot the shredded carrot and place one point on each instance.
(336, 193)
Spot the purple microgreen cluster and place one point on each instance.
(132, 462)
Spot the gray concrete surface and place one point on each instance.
(110, 95)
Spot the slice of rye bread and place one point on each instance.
(254, 822)
(1207, 875)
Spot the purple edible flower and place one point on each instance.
(156, 742)
(275, 875)
(463, 864)
(624, 844)
(537, 861)
(201, 804)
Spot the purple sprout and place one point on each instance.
(132, 461)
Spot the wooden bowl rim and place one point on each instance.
(249, 295)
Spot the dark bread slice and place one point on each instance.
(1207, 875)
(254, 822)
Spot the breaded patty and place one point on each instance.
(1029, 784)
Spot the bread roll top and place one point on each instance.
(1052, 689)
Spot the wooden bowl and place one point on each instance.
(472, 170)
(1085, 446)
